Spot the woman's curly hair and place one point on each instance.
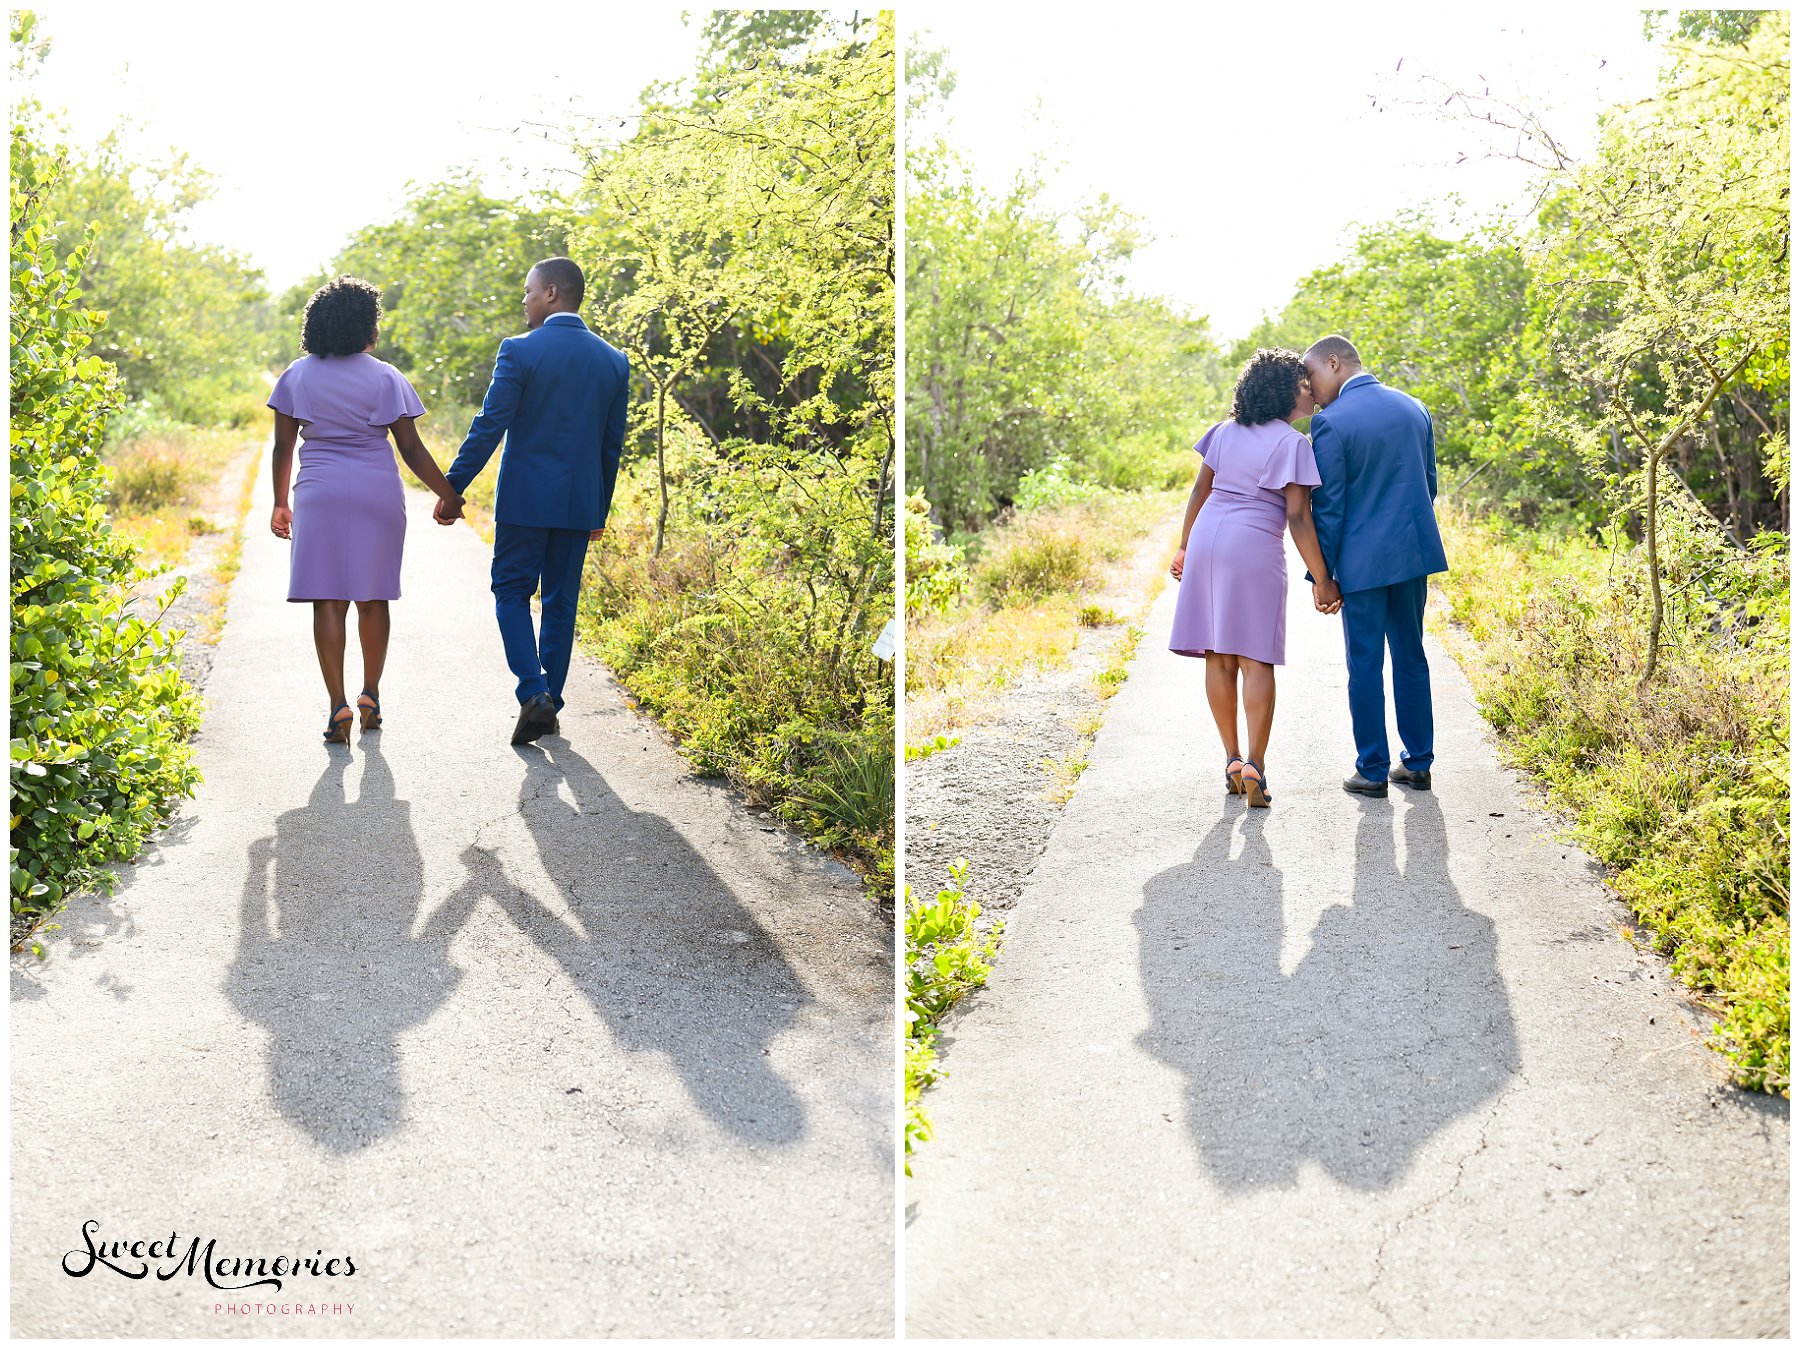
(340, 318)
(1267, 387)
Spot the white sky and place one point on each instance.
(1156, 106)
(314, 116)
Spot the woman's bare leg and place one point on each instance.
(372, 628)
(1259, 704)
(1221, 696)
(328, 638)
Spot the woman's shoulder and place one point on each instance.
(392, 374)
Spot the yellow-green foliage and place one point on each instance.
(948, 956)
(99, 712)
(763, 672)
(1033, 559)
(161, 479)
(1680, 787)
(973, 629)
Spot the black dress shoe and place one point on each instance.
(1407, 777)
(537, 716)
(1360, 785)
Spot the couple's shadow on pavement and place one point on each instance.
(1393, 1025)
(329, 962)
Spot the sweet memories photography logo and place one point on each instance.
(138, 1258)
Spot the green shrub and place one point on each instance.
(99, 712)
(147, 477)
(847, 799)
(1032, 559)
(935, 575)
(748, 636)
(1052, 485)
(948, 956)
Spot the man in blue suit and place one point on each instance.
(558, 395)
(1373, 511)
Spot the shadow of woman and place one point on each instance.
(656, 942)
(1393, 1025)
(327, 960)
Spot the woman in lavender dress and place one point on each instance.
(1257, 473)
(348, 521)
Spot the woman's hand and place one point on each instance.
(1327, 598)
(1176, 565)
(448, 509)
(281, 523)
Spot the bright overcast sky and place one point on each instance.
(313, 116)
(1177, 114)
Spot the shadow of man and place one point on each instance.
(1394, 1024)
(327, 961)
(656, 942)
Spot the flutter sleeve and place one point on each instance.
(1291, 462)
(395, 399)
(1204, 446)
(286, 397)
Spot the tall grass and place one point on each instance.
(983, 611)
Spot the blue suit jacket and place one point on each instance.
(558, 395)
(1378, 478)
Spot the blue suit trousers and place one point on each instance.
(528, 559)
(1388, 620)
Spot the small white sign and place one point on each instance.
(884, 644)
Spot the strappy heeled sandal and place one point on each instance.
(1257, 788)
(371, 715)
(1234, 782)
(337, 730)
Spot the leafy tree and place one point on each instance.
(1732, 26)
(1024, 345)
(451, 268)
(740, 248)
(188, 325)
(1663, 263)
(1447, 320)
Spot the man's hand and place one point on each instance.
(448, 510)
(1327, 598)
(594, 537)
(281, 523)
(1180, 560)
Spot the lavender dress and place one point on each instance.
(349, 506)
(1233, 598)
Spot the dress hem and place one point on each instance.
(1214, 651)
(348, 599)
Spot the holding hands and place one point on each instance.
(449, 509)
(1327, 598)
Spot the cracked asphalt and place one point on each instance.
(551, 1041)
(1345, 1067)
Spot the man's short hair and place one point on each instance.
(565, 275)
(1341, 347)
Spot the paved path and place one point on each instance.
(1342, 1068)
(553, 1041)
